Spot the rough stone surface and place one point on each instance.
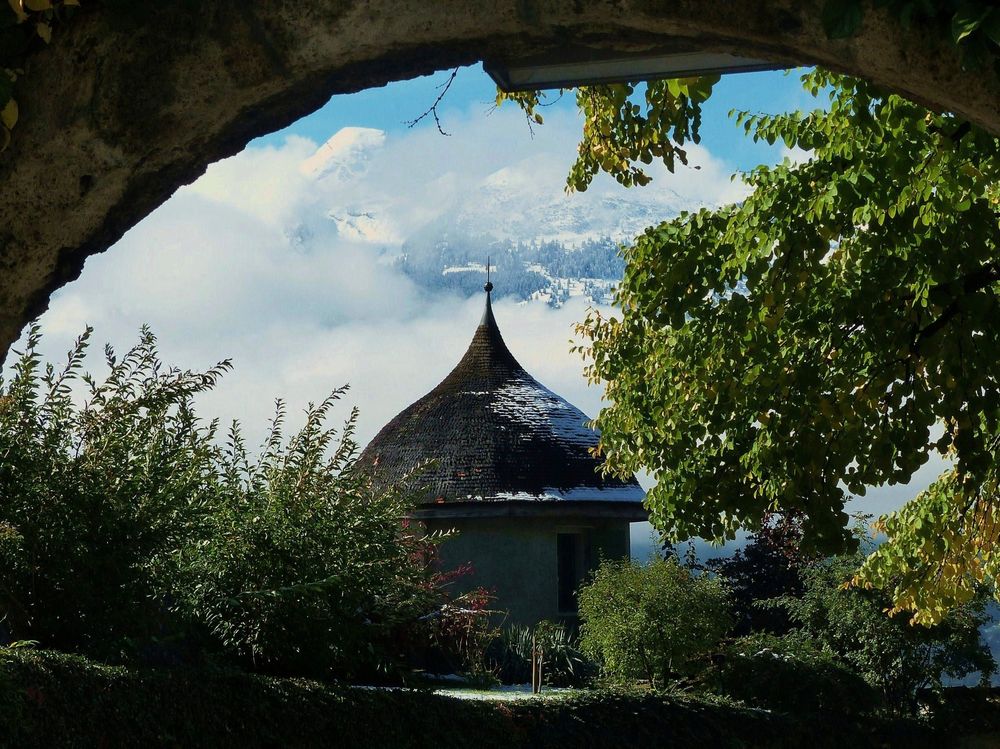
(120, 110)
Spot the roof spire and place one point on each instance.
(488, 287)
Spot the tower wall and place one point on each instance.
(518, 558)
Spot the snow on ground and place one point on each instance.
(508, 692)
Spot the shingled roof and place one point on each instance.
(496, 435)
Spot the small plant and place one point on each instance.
(22, 645)
(463, 633)
(564, 664)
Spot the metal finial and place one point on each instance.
(488, 287)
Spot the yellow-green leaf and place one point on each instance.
(8, 115)
(15, 5)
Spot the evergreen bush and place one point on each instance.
(65, 701)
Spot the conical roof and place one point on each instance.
(495, 434)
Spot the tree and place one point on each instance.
(770, 565)
(656, 622)
(894, 656)
(829, 333)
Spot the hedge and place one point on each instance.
(56, 700)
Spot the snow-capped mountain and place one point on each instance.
(543, 242)
(345, 155)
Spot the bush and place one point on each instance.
(125, 525)
(67, 701)
(92, 496)
(895, 657)
(657, 622)
(301, 567)
(790, 673)
(564, 664)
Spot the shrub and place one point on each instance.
(124, 523)
(895, 657)
(93, 495)
(656, 622)
(301, 567)
(67, 701)
(564, 664)
(792, 674)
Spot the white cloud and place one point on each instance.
(247, 263)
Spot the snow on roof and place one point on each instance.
(494, 433)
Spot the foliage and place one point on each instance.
(66, 701)
(768, 566)
(623, 127)
(564, 664)
(793, 674)
(124, 523)
(463, 632)
(301, 565)
(942, 547)
(972, 25)
(894, 656)
(657, 622)
(626, 123)
(92, 496)
(830, 332)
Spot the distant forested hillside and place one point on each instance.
(550, 271)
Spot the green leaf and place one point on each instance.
(967, 19)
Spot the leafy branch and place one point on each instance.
(972, 25)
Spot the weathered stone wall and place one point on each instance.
(122, 109)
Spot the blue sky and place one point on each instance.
(389, 108)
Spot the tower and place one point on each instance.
(511, 470)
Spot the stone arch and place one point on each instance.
(121, 110)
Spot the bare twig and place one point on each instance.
(433, 109)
